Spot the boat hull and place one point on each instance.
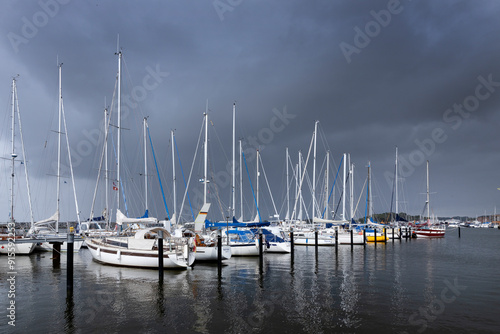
(121, 256)
(245, 249)
(279, 247)
(212, 253)
(430, 233)
(311, 241)
(19, 248)
(345, 239)
(47, 247)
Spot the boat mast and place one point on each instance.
(145, 168)
(173, 175)
(257, 188)
(326, 182)
(206, 153)
(369, 190)
(59, 150)
(287, 189)
(13, 154)
(396, 184)
(314, 171)
(428, 197)
(234, 161)
(344, 188)
(351, 193)
(106, 171)
(241, 184)
(298, 184)
(118, 151)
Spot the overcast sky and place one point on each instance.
(420, 75)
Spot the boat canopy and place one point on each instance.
(235, 223)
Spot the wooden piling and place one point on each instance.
(219, 248)
(316, 239)
(291, 242)
(459, 231)
(160, 255)
(69, 269)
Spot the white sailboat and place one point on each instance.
(15, 245)
(50, 227)
(140, 249)
(430, 230)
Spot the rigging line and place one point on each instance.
(158, 173)
(340, 198)
(192, 167)
(70, 164)
(269, 188)
(251, 187)
(333, 185)
(359, 198)
(183, 178)
(305, 167)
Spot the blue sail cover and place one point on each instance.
(400, 219)
(270, 237)
(235, 223)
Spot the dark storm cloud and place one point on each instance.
(395, 90)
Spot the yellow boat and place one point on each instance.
(380, 238)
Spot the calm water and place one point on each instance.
(419, 286)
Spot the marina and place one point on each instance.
(421, 285)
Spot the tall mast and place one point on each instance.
(369, 190)
(206, 154)
(314, 171)
(106, 171)
(257, 188)
(13, 154)
(59, 133)
(396, 184)
(287, 189)
(118, 151)
(234, 160)
(145, 167)
(173, 174)
(428, 197)
(326, 182)
(241, 184)
(351, 193)
(344, 188)
(299, 167)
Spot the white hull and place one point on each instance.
(279, 247)
(245, 249)
(311, 241)
(430, 233)
(357, 239)
(211, 253)
(47, 247)
(121, 256)
(19, 248)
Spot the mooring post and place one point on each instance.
(160, 255)
(219, 248)
(459, 231)
(352, 238)
(56, 253)
(261, 248)
(385, 234)
(291, 242)
(336, 239)
(393, 234)
(69, 249)
(375, 236)
(364, 237)
(316, 239)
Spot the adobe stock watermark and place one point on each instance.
(437, 306)
(373, 28)
(223, 6)
(85, 147)
(453, 118)
(31, 25)
(11, 273)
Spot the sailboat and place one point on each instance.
(50, 227)
(15, 245)
(430, 230)
(139, 248)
